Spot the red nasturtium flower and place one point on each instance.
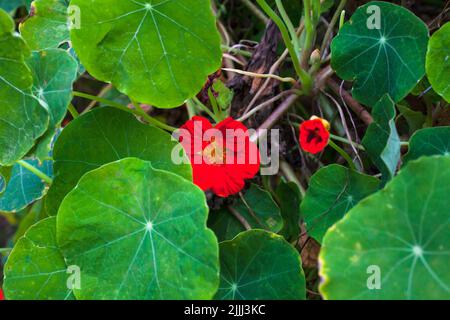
(314, 135)
(222, 156)
(2, 297)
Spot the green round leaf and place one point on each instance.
(289, 197)
(22, 119)
(102, 136)
(48, 26)
(260, 210)
(35, 269)
(138, 233)
(332, 192)
(149, 49)
(395, 244)
(54, 72)
(381, 140)
(389, 60)
(259, 265)
(438, 61)
(24, 187)
(429, 142)
(224, 224)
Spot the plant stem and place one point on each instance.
(204, 108)
(330, 28)
(404, 144)
(5, 250)
(343, 154)
(289, 25)
(75, 114)
(256, 11)
(229, 49)
(190, 105)
(35, 171)
(215, 106)
(302, 74)
(309, 31)
(138, 111)
(261, 75)
(344, 140)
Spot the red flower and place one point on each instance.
(2, 296)
(222, 157)
(314, 135)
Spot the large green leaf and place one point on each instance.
(401, 234)
(438, 61)
(429, 142)
(332, 192)
(389, 60)
(381, 140)
(22, 119)
(48, 26)
(54, 72)
(289, 198)
(224, 224)
(260, 210)
(259, 265)
(138, 233)
(257, 208)
(149, 49)
(415, 119)
(24, 187)
(36, 270)
(102, 136)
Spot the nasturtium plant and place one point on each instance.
(22, 118)
(147, 48)
(210, 149)
(24, 187)
(256, 209)
(48, 26)
(289, 198)
(402, 233)
(155, 244)
(429, 142)
(382, 48)
(438, 61)
(259, 265)
(54, 72)
(36, 270)
(381, 139)
(332, 192)
(102, 136)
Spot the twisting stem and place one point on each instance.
(138, 111)
(35, 171)
(261, 75)
(305, 78)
